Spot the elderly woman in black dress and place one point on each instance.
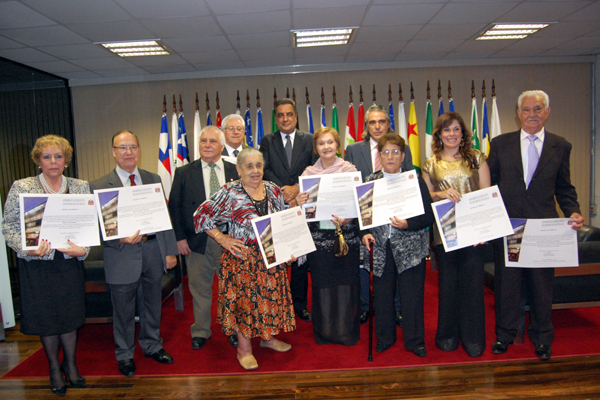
(52, 280)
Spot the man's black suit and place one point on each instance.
(187, 193)
(225, 153)
(551, 181)
(279, 172)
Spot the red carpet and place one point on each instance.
(577, 332)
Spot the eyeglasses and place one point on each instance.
(232, 129)
(389, 153)
(124, 148)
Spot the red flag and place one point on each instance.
(361, 122)
(218, 119)
(350, 127)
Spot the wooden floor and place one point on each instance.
(565, 378)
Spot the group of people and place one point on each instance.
(213, 201)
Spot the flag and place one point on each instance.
(249, 141)
(392, 122)
(208, 119)
(428, 130)
(197, 129)
(164, 156)
(361, 122)
(175, 137)
(260, 130)
(311, 127)
(485, 130)
(402, 122)
(218, 119)
(441, 107)
(413, 137)
(450, 104)
(474, 125)
(273, 123)
(335, 124)
(323, 123)
(182, 144)
(350, 127)
(495, 129)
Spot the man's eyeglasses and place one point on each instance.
(232, 129)
(123, 148)
(388, 153)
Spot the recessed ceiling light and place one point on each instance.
(510, 31)
(136, 48)
(322, 37)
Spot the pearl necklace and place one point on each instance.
(48, 189)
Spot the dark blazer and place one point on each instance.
(551, 179)
(359, 154)
(225, 153)
(276, 165)
(187, 193)
(123, 263)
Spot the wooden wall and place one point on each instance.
(100, 111)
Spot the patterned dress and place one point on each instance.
(253, 300)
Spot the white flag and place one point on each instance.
(495, 129)
(197, 129)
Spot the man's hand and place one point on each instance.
(171, 261)
(73, 251)
(183, 248)
(576, 221)
(133, 239)
(289, 193)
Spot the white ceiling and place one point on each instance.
(236, 37)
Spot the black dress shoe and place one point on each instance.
(399, 319)
(78, 383)
(447, 344)
(198, 342)
(474, 350)
(380, 348)
(420, 351)
(500, 347)
(233, 341)
(543, 351)
(364, 317)
(304, 315)
(161, 356)
(127, 367)
(60, 390)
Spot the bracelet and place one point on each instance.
(215, 237)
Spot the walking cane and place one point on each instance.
(370, 359)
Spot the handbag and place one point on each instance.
(340, 247)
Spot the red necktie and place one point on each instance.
(132, 179)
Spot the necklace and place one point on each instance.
(260, 205)
(48, 189)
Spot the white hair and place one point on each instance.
(534, 93)
(247, 152)
(217, 130)
(232, 116)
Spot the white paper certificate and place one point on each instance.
(478, 217)
(58, 218)
(122, 211)
(379, 200)
(283, 234)
(329, 195)
(541, 243)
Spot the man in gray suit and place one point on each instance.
(365, 157)
(194, 183)
(134, 262)
(234, 128)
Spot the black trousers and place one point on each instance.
(299, 285)
(461, 316)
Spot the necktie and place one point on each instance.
(378, 166)
(214, 181)
(532, 159)
(132, 180)
(235, 153)
(288, 149)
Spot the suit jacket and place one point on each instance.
(359, 154)
(552, 177)
(277, 169)
(225, 153)
(187, 193)
(123, 263)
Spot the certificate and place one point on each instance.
(541, 243)
(122, 211)
(281, 235)
(58, 218)
(478, 217)
(381, 199)
(328, 195)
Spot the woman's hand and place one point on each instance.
(73, 251)
(42, 250)
(399, 223)
(301, 198)
(450, 194)
(291, 260)
(340, 221)
(234, 246)
(367, 240)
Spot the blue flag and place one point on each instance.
(260, 130)
(311, 127)
(182, 144)
(249, 140)
(450, 104)
(208, 121)
(164, 156)
(392, 123)
(441, 107)
(323, 122)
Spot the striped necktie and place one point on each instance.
(214, 181)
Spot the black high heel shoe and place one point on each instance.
(61, 390)
(79, 383)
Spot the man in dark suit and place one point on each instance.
(194, 183)
(234, 129)
(365, 157)
(531, 168)
(287, 153)
(135, 262)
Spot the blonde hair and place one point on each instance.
(51, 140)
